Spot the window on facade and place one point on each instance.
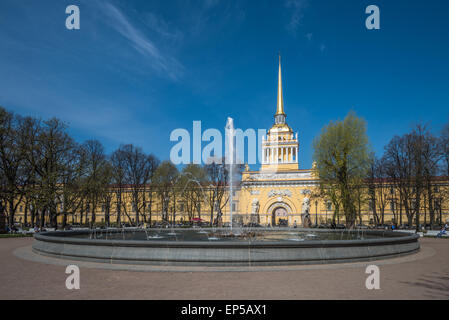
(328, 205)
(392, 207)
(391, 191)
(103, 208)
(21, 208)
(436, 189)
(234, 207)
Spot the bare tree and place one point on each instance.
(108, 194)
(431, 157)
(398, 156)
(95, 166)
(139, 170)
(381, 188)
(165, 179)
(412, 164)
(444, 169)
(71, 191)
(153, 164)
(192, 186)
(218, 176)
(444, 149)
(15, 169)
(50, 155)
(118, 181)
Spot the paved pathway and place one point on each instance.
(425, 275)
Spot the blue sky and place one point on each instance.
(136, 70)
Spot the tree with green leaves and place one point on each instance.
(342, 155)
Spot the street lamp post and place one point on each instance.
(316, 213)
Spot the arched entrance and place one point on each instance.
(279, 211)
(279, 216)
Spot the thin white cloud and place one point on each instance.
(163, 63)
(161, 27)
(322, 47)
(297, 13)
(211, 3)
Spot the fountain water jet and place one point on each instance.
(230, 160)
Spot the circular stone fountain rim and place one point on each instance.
(396, 237)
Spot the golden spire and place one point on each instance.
(280, 106)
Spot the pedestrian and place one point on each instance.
(442, 232)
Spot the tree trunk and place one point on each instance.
(93, 215)
(2, 218)
(11, 213)
(42, 218)
(150, 210)
(33, 217)
(211, 216)
(64, 220)
(107, 215)
(410, 220)
(119, 212)
(25, 217)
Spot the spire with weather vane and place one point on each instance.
(280, 115)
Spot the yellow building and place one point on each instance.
(282, 194)
(278, 194)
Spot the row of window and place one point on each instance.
(393, 205)
(436, 189)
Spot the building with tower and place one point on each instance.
(279, 193)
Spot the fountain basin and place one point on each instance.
(272, 248)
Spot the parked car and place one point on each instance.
(252, 225)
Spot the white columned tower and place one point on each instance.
(280, 148)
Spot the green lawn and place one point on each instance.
(17, 235)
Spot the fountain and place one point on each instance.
(230, 161)
(226, 246)
(259, 246)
